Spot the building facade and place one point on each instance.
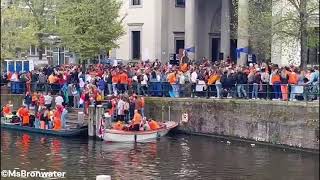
(155, 29)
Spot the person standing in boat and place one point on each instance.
(27, 100)
(24, 113)
(64, 117)
(136, 121)
(120, 109)
(57, 118)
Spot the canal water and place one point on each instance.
(171, 157)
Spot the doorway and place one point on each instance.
(136, 45)
(233, 49)
(215, 48)
(179, 45)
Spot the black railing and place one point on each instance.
(164, 89)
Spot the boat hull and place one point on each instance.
(137, 136)
(62, 133)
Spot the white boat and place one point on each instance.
(112, 135)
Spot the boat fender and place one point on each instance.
(135, 138)
(158, 135)
(185, 118)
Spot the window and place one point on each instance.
(180, 3)
(136, 2)
(33, 50)
(136, 52)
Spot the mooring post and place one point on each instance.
(103, 177)
(99, 113)
(169, 114)
(92, 116)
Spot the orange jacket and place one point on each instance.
(115, 79)
(25, 115)
(275, 78)
(293, 78)
(154, 125)
(6, 110)
(123, 78)
(137, 118)
(172, 78)
(184, 67)
(212, 79)
(57, 120)
(118, 126)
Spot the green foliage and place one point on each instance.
(88, 27)
(17, 31)
(260, 18)
(25, 23)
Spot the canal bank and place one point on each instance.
(277, 123)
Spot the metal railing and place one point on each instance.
(164, 89)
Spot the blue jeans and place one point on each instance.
(255, 88)
(175, 89)
(110, 89)
(218, 88)
(114, 89)
(277, 90)
(241, 90)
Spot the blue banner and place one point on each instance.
(242, 50)
(26, 67)
(18, 66)
(191, 49)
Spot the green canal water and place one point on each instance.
(171, 157)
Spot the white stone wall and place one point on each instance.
(141, 18)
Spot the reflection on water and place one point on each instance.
(173, 157)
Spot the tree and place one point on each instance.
(88, 27)
(260, 18)
(44, 15)
(25, 23)
(294, 22)
(17, 32)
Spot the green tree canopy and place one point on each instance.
(17, 31)
(88, 27)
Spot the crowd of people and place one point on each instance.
(219, 79)
(122, 88)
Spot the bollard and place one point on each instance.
(80, 118)
(103, 177)
(92, 116)
(99, 113)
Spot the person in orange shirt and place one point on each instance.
(57, 119)
(276, 82)
(293, 81)
(24, 113)
(184, 67)
(6, 110)
(123, 78)
(211, 82)
(153, 124)
(136, 121)
(115, 82)
(118, 126)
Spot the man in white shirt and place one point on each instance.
(144, 82)
(48, 100)
(59, 100)
(194, 79)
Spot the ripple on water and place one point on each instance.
(177, 157)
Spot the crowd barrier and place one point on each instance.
(164, 89)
